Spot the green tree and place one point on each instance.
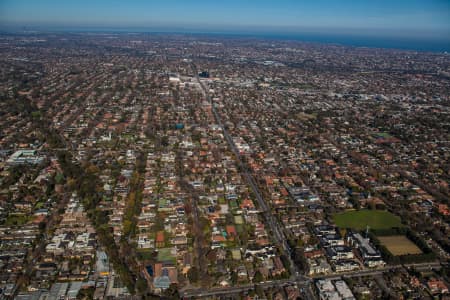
(234, 277)
(172, 292)
(258, 277)
(193, 275)
(141, 285)
(59, 178)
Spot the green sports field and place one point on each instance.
(375, 219)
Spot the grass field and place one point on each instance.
(17, 220)
(375, 219)
(145, 254)
(165, 255)
(399, 245)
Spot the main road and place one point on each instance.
(303, 283)
(222, 291)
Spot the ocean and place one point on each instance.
(420, 43)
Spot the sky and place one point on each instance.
(388, 17)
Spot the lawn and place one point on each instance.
(145, 254)
(165, 255)
(375, 219)
(383, 135)
(17, 220)
(238, 220)
(236, 254)
(399, 245)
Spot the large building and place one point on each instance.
(370, 255)
(23, 157)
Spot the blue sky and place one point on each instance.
(403, 17)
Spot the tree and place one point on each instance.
(59, 178)
(193, 275)
(234, 277)
(172, 292)
(258, 277)
(141, 285)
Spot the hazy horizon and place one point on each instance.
(375, 23)
(402, 16)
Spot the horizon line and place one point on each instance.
(352, 39)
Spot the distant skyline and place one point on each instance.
(399, 17)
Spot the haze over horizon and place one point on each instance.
(418, 20)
